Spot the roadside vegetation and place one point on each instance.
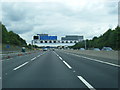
(111, 38)
(14, 41)
(9, 37)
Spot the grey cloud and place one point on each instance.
(15, 17)
(22, 30)
(53, 18)
(112, 8)
(13, 13)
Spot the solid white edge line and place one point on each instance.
(20, 66)
(97, 60)
(67, 65)
(86, 83)
(102, 61)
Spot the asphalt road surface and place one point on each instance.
(58, 69)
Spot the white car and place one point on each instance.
(107, 49)
(82, 48)
(96, 49)
(45, 49)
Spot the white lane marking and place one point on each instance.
(20, 66)
(64, 61)
(6, 59)
(56, 54)
(74, 71)
(42, 54)
(67, 65)
(60, 58)
(38, 56)
(86, 83)
(97, 60)
(33, 58)
(102, 61)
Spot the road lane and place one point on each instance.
(98, 74)
(46, 71)
(97, 60)
(114, 61)
(8, 65)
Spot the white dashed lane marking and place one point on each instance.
(60, 58)
(80, 77)
(20, 66)
(26, 63)
(33, 58)
(67, 65)
(64, 61)
(86, 83)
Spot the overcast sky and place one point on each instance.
(59, 17)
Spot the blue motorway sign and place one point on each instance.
(48, 37)
(7, 46)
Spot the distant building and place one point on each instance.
(73, 37)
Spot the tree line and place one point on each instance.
(111, 38)
(9, 37)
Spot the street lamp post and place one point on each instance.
(85, 45)
(32, 43)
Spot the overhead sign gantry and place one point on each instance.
(45, 38)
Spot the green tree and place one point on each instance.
(12, 38)
(111, 38)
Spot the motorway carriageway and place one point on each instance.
(58, 69)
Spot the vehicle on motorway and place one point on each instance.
(45, 49)
(107, 49)
(23, 49)
(82, 48)
(96, 49)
